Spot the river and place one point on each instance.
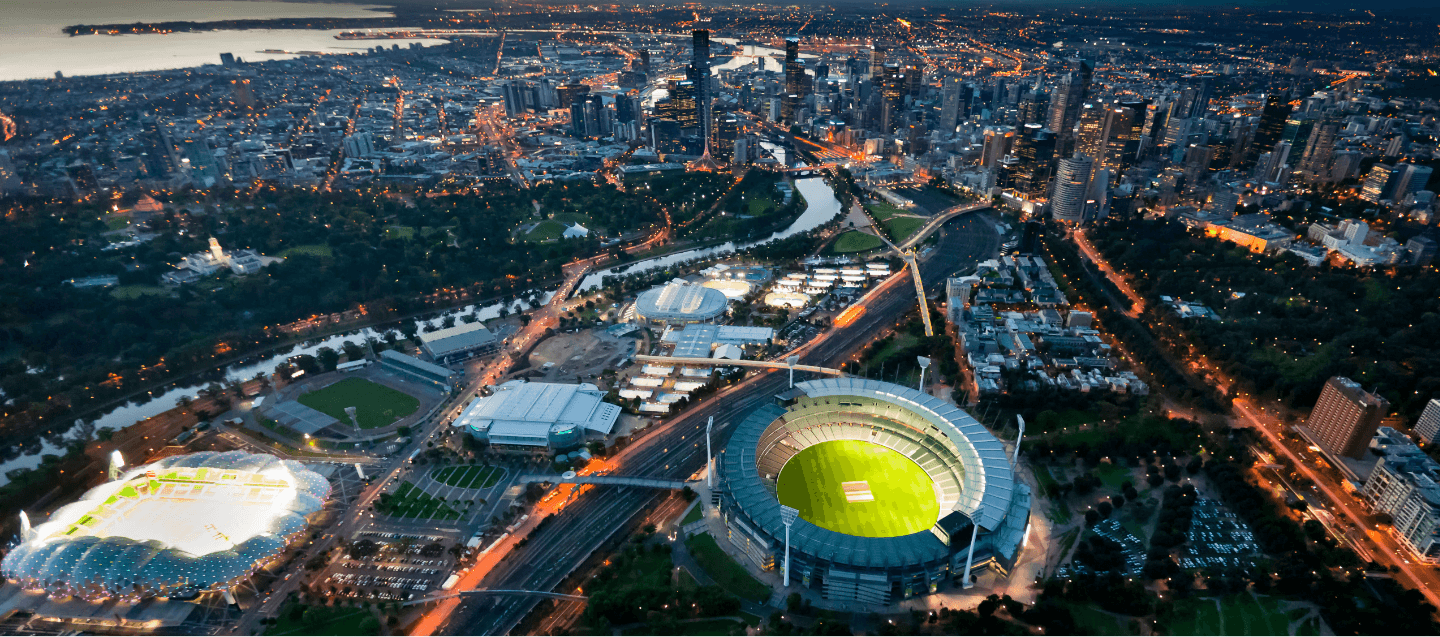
(33, 46)
(821, 206)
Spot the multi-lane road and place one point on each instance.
(677, 450)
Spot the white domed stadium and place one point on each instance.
(680, 303)
(180, 526)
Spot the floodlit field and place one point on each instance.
(375, 405)
(859, 488)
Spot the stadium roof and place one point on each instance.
(299, 417)
(461, 338)
(416, 364)
(681, 301)
(987, 487)
(519, 408)
(181, 525)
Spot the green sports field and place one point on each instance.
(375, 405)
(831, 484)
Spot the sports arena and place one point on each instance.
(897, 491)
(180, 526)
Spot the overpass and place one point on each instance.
(935, 222)
(490, 591)
(619, 481)
(686, 360)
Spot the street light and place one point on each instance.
(788, 515)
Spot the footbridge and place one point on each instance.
(569, 477)
(490, 591)
(687, 360)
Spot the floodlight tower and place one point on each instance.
(924, 365)
(1015, 459)
(117, 462)
(27, 533)
(709, 457)
(970, 559)
(788, 515)
(791, 360)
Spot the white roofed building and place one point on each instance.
(459, 343)
(679, 302)
(530, 416)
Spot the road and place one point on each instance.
(676, 450)
(359, 515)
(1137, 302)
(1389, 548)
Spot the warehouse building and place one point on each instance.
(458, 343)
(539, 416)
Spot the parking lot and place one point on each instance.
(390, 566)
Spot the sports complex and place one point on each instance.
(898, 493)
(180, 526)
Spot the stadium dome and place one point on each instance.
(680, 303)
(891, 487)
(182, 525)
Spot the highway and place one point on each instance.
(676, 449)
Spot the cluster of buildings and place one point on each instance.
(1039, 342)
(797, 290)
(203, 264)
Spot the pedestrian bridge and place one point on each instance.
(726, 362)
(619, 481)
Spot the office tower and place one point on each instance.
(1224, 201)
(1346, 417)
(1090, 129)
(950, 91)
(1030, 237)
(892, 102)
(227, 59)
(700, 69)
(1268, 167)
(914, 80)
(1412, 179)
(627, 108)
(645, 63)
(1197, 164)
(1428, 426)
(566, 94)
(1032, 107)
(794, 80)
(1320, 149)
(360, 144)
(1379, 183)
(996, 146)
(159, 156)
(1201, 104)
(877, 63)
(1405, 485)
(726, 131)
(1421, 251)
(1066, 102)
(1270, 129)
(1035, 148)
(683, 104)
(589, 117)
(1071, 190)
(665, 135)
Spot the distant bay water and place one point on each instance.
(32, 45)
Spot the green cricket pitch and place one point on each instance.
(858, 488)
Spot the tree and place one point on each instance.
(369, 626)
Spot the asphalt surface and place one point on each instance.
(676, 451)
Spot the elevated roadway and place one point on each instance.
(686, 360)
(619, 481)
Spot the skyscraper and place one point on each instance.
(1346, 417)
(1270, 128)
(1071, 190)
(892, 98)
(1065, 103)
(1428, 426)
(877, 63)
(683, 102)
(1035, 148)
(700, 74)
(794, 79)
(1320, 149)
(951, 89)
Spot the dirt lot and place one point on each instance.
(585, 353)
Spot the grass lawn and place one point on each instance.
(726, 572)
(547, 230)
(1113, 474)
(856, 241)
(126, 292)
(696, 512)
(1195, 617)
(883, 211)
(117, 222)
(470, 476)
(400, 232)
(323, 620)
(693, 629)
(410, 502)
(902, 227)
(1247, 614)
(318, 250)
(1096, 621)
(375, 405)
(888, 494)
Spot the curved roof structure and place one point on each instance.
(975, 475)
(680, 302)
(182, 525)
